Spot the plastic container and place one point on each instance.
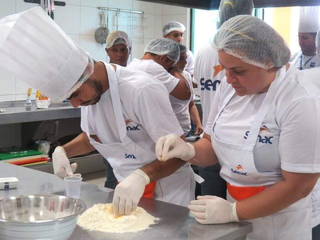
(73, 185)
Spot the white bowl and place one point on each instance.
(39, 217)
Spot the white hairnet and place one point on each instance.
(118, 37)
(309, 20)
(173, 26)
(232, 8)
(182, 48)
(164, 46)
(253, 41)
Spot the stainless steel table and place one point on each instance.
(175, 221)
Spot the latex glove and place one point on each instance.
(61, 163)
(128, 192)
(213, 210)
(171, 146)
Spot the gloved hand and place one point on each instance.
(61, 163)
(128, 192)
(171, 146)
(213, 210)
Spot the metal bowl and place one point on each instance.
(39, 217)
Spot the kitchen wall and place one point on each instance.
(80, 18)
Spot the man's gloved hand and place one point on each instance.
(213, 210)
(171, 146)
(61, 163)
(128, 192)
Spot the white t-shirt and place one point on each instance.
(208, 74)
(180, 107)
(313, 75)
(144, 101)
(302, 62)
(156, 70)
(289, 134)
(190, 63)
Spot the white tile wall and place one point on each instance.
(80, 18)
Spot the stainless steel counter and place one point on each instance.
(16, 112)
(175, 221)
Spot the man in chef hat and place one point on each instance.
(308, 28)
(123, 112)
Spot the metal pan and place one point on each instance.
(102, 32)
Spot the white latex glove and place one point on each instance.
(172, 146)
(213, 210)
(61, 163)
(128, 192)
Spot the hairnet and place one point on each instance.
(232, 8)
(164, 46)
(182, 48)
(118, 37)
(173, 26)
(253, 41)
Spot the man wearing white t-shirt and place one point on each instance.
(174, 31)
(308, 28)
(158, 61)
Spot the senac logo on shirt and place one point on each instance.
(130, 156)
(133, 128)
(239, 170)
(261, 139)
(209, 84)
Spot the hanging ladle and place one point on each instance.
(102, 32)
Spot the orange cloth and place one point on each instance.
(149, 190)
(240, 192)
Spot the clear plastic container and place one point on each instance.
(73, 185)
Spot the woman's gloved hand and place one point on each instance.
(61, 163)
(128, 192)
(172, 146)
(213, 210)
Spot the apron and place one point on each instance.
(132, 153)
(244, 180)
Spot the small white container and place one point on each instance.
(8, 182)
(42, 103)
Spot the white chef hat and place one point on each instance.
(118, 37)
(35, 49)
(309, 20)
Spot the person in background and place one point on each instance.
(160, 56)
(261, 112)
(118, 48)
(308, 28)
(174, 31)
(193, 111)
(312, 75)
(208, 74)
(123, 112)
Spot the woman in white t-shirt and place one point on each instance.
(264, 130)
